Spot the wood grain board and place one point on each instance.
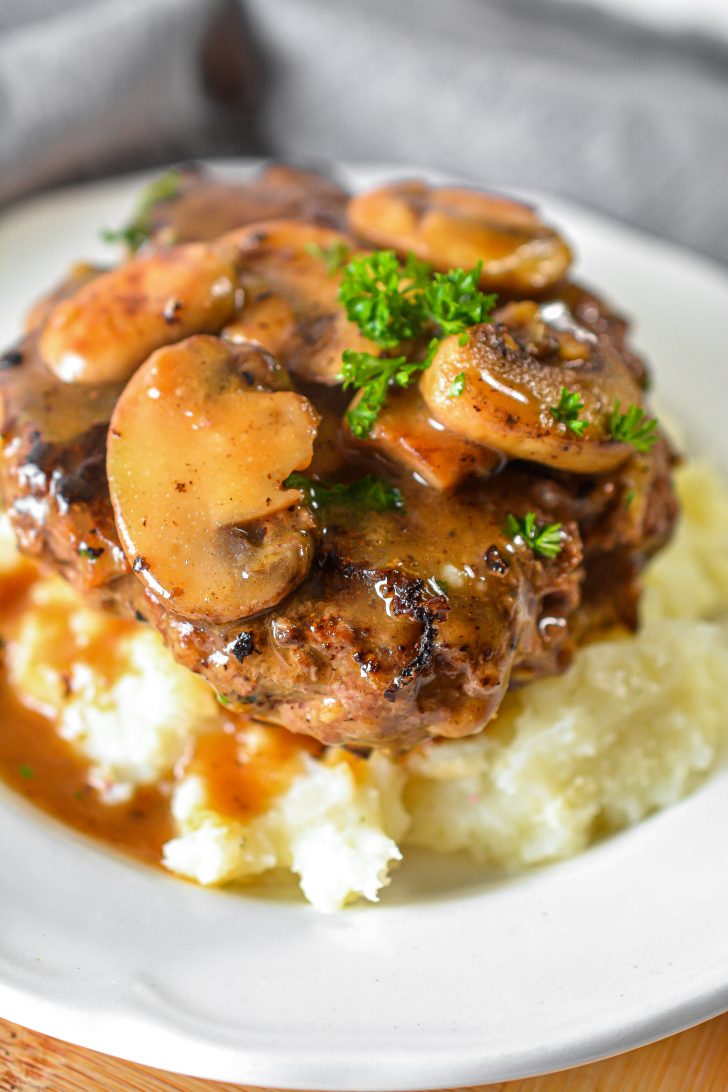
(695, 1061)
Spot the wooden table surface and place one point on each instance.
(695, 1061)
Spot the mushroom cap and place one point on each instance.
(507, 394)
(105, 330)
(199, 448)
(288, 259)
(457, 227)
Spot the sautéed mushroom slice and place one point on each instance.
(201, 443)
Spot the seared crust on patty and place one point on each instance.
(410, 623)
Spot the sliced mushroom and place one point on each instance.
(80, 274)
(406, 434)
(266, 320)
(509, 380)
(451, 227)
(199, 448)
(112, 324)
(206, 205)
(288, 258)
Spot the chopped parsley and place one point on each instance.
(633, 427)
(139, 228)
(543, 539)
(26, 772)
(568, 409)
(368, 492)
(132, 236)
(457, 386)
(454, 302)
(333, 257)
(372, 375)
(392, 303)
(383, 297)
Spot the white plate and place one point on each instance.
(451, 980)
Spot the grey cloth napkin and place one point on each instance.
(532, 93)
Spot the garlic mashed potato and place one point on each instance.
(631, 727)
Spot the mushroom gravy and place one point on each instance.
(245, 765)
(45, 769)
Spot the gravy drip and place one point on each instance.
(245, 765)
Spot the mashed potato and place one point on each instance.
(111, 687)
(689, 579)
(627, 730)
(630, 728)
(334, 827)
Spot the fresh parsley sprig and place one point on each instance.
(457, 386)
(373, 376)
(131, 236)
(453, 301)
(633, 427)
(393, 303)
(333, 257)
(139, 228)
(545, 540)
(567, 411)
(383, 297)
(367, 492)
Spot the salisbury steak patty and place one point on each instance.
(411, 623)
(403, 620)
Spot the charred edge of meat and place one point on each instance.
(411, 598)
(73, 473)
(495, 561)
(424, 655)
(242, 646)
(408, 597)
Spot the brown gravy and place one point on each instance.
(45, 769)
(243, 782)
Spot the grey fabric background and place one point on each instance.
(623, 117)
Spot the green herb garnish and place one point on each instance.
(368, 492)
(392, 303)
(453, 301)
(567, 411)
(457, 386)
(131, 236)
(372, 375)
(26, 771)
(633, 427)
(139, 228)
(383, 297)
(333, 257)
(159, 189)
(544, 539)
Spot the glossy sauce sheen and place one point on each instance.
(43, 768)
(409, 624)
